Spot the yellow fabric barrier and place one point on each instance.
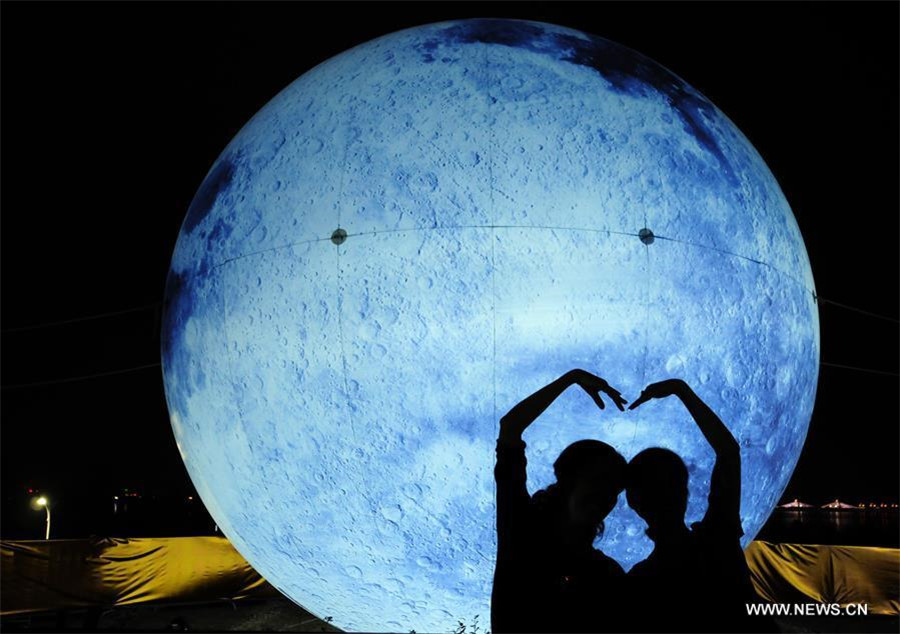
(72, 573)
(797, 573)
(52, 575)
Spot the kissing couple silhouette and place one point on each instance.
(548, 575)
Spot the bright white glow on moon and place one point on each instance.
(336, 401)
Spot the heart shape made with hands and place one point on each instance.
(593, 385)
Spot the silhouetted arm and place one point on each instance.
(522, 415)
(712, 428)
(517, 420)
(510, 469)
(725, 484)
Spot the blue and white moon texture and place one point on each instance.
(425, 229)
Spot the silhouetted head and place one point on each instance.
(589, 477)
(657, 488)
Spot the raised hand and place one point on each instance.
(516, 420)
(661, 389)
(593, 385)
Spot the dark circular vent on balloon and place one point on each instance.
(338, 236)
(646, 236)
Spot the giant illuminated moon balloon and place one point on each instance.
(420, 232)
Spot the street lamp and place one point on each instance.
(45, 503)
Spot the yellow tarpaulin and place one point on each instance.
(52, 575)
(71, 573)
(797, 573)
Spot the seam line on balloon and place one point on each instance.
(646, 338)
(493, 216)
(340, 296)
(494, 422)
(494, 323)
(742, 257)
(492, 226)
(267, 250)
(340, 310)
(288, 245)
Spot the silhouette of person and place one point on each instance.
(548, 576)
(696, 579)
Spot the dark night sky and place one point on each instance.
(113, 113)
